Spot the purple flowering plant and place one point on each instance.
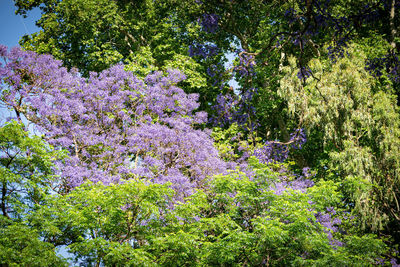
(114, 125)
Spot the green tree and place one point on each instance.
(26, 177)
(236, 222)
(360, 131)
(93, 35)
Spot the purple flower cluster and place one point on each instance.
(329, 218)
(394, 263)
(209, 23)
(275, 151)
(246, 64)
(203, 51)
(272, 151)
(298, 138)
(323, 20)
(330, 222)
(389, 62)
(231, 108)
(338, 49)
(215, 74)
(304, 73)
(300, 184)
(291, 15)
(225, 110)
(114, 125)
(236, 108)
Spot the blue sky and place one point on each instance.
(13, 27)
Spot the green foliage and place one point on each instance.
(20, 245)
(360, 126)
(110, 224)
(93, 35)
(231, 143)
(26, 170)
(26, 177)
(141, 63)
(236, 221)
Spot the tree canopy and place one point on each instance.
(202, 133)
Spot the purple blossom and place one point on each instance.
(298, 138)
(209, 22)
(394, 263)
(304, 73)
(330, 222)
(306, 172)
(390, 63)
(203, 51)
(231, 108)
(114, 125)
(275, 151)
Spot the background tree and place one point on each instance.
(360, 127)
(26, 177)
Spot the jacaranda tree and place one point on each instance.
(115, 126)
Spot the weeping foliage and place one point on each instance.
(359, 123)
